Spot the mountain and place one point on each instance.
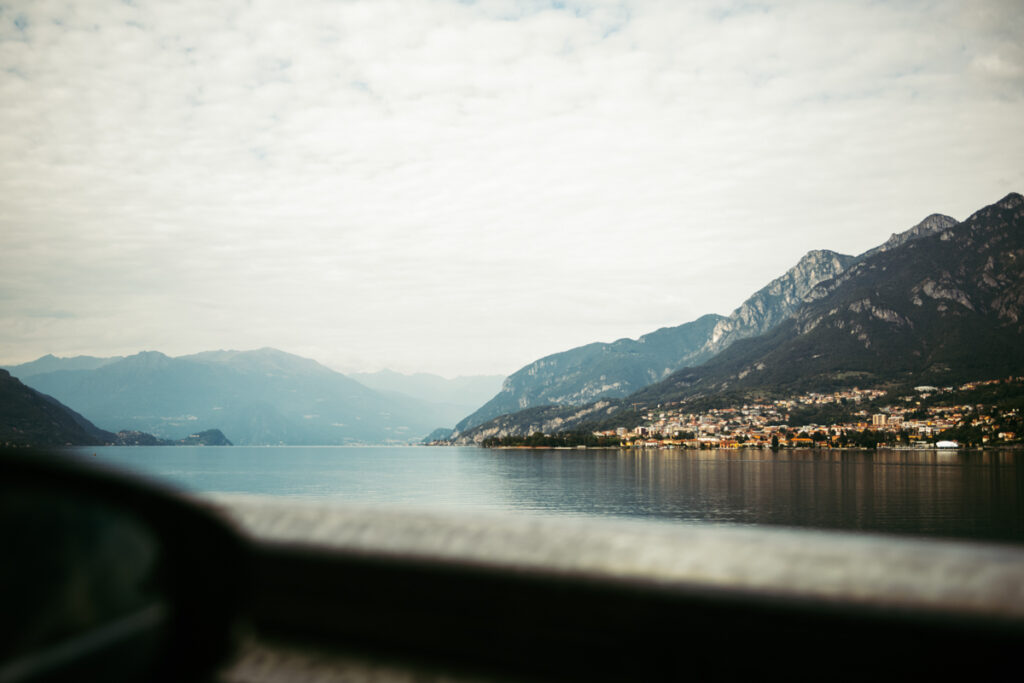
(945, 306)
(931, 225)
(940, 309)
(585, 374)
(51, 363)
(588, 372)
(776, 301)
(439, 434)
(255, 397)
(454, 397)
(209, 437)
(30, 418)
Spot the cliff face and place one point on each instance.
(775, 302)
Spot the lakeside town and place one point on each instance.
(928, 417)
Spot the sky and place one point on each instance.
(464, 187)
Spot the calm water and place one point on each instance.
(970, 495)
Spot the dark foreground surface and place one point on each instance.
(450, 596)
(136, 582)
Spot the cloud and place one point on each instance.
(463, 187)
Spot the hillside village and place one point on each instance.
(929, 417)
(905, 423)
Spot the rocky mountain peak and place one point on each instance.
(816, 266)
(818, 255)
(812, 265)
(1010, 201)
(934, 223)
(780, 297)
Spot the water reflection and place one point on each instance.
(963, 494)
(977, 495)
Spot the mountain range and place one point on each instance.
(936, 310)
(461, 394)
(941, 302)
(51, 363)
(255, 397)
(587, 373)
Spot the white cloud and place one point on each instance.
(465, 187)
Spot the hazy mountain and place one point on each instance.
(51, 363)
(582, 375)
(459, 395)
(253, 397)
(439, 434)
(944, 307)
(588, 372)
(208, 437)
(30, 418)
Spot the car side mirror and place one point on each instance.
(108, 577)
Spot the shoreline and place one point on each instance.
(959, 449)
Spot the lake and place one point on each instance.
(978, 495)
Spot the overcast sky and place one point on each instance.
(460, 187)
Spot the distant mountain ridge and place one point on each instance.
(51, 363)
(462, 393)
(264, 397)
(945, 305)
